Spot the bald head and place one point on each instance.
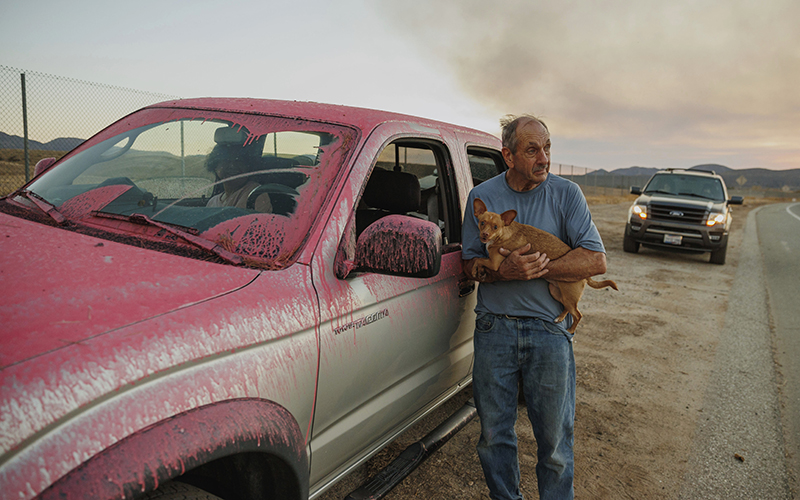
(509, 125)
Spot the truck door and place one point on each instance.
(390, 347)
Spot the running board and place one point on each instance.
(380, 484)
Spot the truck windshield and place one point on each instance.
(252, 184)
(686, 185)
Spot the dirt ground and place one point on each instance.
(643, 356)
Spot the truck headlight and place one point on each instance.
(640, 210)
(715, 218)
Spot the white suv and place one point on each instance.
(686, 210)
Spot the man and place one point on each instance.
(231, 167)
(515, 337)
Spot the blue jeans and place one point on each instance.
(538, 353)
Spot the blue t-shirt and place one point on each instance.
(557, 206)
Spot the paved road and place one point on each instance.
(779, 236)
(739, 448)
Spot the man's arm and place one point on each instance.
(575, 265)
(516, 266)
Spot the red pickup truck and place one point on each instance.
(233, 297)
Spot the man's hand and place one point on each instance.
(518, 266)
(575, 265)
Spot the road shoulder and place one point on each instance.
(738, 449)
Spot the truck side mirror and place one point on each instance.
(735, 200)
(400, 245)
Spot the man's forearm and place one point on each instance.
(517, 266)
(577, 264)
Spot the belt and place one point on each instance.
(508, 316)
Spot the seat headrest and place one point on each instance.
(396, 192)
(230, 136)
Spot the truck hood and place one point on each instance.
(698, 203)
(61, 287)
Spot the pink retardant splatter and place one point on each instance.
(80, 205)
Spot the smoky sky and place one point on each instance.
(721, 77)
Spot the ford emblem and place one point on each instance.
(675, 213)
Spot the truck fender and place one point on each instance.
(139, 463)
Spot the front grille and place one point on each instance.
(692, 233)
(673, 213)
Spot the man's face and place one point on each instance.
(230, 167)
(228, 170)
(530, 163)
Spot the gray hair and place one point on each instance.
(509, 124)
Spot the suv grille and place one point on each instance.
(672, 213)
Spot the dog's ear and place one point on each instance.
(508, 216)
(479, 206)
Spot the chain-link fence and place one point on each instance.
(599, 182)
(45, 116)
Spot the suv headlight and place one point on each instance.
(639, 210)
(715, 218)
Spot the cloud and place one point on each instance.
(721, 75)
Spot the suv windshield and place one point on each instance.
(249, 184)
(686, 185)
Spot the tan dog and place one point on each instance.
(500, 231)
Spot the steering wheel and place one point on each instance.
(282, 198)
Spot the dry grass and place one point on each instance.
(15, 158)
(609, 199)
(12, 166)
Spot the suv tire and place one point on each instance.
(718, 256)
(630, 245)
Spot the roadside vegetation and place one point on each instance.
(12, 166)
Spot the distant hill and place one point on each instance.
(745, 178)
(714, 167)
(761, 177)
(60, 144)
(643, 171)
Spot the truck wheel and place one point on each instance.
(629, 244)
(718, 256)
(175, 490)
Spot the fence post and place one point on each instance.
(25, 128)
(183, 153)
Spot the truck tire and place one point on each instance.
(175, 490)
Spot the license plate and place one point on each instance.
(673, 239)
